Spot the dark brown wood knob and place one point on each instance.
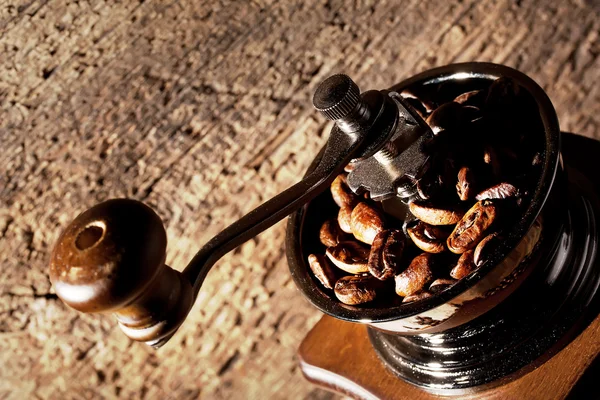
(111, 258)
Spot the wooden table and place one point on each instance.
(202, 110)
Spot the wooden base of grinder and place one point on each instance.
(338, 356)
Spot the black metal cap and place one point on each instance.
(336, 97)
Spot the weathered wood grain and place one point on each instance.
(202, 110)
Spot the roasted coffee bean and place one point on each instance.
(485, 249)
(473, 98)
(502, 94)
(435, 232)
(435, 215)
(417, 296)
(344, 217)
(464, 266)
(439, 177)
(416, 276)
(355, 290)
(349, 167)
(324, 272)
(502, 190)
(465, 188)
(386, 251)
(503, 161)
(409, 221)
(469, 113)
(331, 234)
(441, 284)
(446, 116)
(425, 242)
(426, 188)
(449, 170)
(430, 184)
(490, 157)
(366, 222)
(349, 256)
(450, 124)
(341, 193)
(417, 106)
(472, 227)
(507, 155)
(426, 105)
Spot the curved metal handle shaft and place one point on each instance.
(340, 149)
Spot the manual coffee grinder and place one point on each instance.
(495, 325)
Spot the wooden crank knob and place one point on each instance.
(111, 258)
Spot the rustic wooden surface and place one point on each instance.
(202, 110)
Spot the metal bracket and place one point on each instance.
(394, 169)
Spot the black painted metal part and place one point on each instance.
(504, 318)
(531, 325)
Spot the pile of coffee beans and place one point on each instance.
(486, 160)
